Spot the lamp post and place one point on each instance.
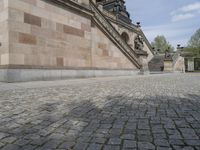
(179, 48)
(138, 24)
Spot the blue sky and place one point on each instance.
(177, 20)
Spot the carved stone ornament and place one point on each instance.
(139, 43)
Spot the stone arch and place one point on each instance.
(125, 37)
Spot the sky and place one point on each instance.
(177, 20)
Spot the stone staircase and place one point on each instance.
(157, 63)
(114, 35)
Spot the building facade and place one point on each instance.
(58, 39)
(192, 63)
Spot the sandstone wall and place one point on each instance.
(105, 54)
(4, 46)
(45, 35)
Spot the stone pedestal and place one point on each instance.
(190, 64)
(145, 68)
(168, 65)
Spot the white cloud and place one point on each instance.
(173, 32)
(185, 12)
(179, 17)
(191, 7)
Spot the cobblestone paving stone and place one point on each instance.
(143, 112)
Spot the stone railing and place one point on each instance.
(115, 36)
(133, 27)
(82, 2)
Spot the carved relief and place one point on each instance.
(139, 43)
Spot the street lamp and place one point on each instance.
(179, 47)
(138, 24)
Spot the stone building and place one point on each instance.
(58, 39)
(192, 63)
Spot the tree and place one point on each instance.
(193, 46)
(161, 45)
(194, 41)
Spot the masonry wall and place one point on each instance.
(45, 35)
(105, 54)
(4, 46)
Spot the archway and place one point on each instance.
(125, 37)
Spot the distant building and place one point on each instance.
(58, 39)
(192, 63)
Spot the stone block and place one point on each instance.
(1, 6)
(73, 31)
(4, 15)
(19, 27)
(33, 20)
(59, 27)
(17, 59)
(16, 15)
(27, 39)
(85, 27)
(3, 74)
(5, 59)
(20, 5)
(32, 2)
(45, 23)
(60, 61)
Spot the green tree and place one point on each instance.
(160, 44)
(194, 41)
(193, 46)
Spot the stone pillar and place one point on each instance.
(144, 62)
(191, 64)
(168, 65)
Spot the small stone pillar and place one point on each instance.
(168, 65)
(144, 70)
(190, 64)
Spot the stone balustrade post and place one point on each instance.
(144, 68)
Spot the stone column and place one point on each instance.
(144, 62)
(191, 64)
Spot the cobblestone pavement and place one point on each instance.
(143, 112)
